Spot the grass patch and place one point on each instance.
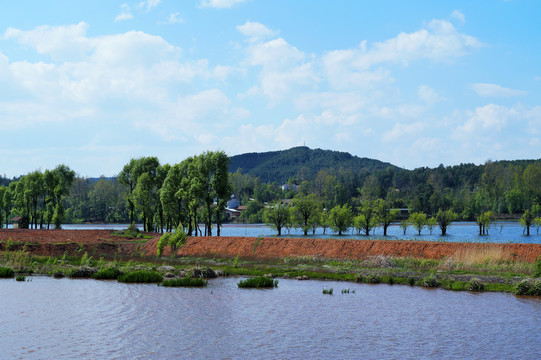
(20, 278)
(258, 282)
(111, 273)
(529, 287)
(328, 291)
(185, 282)
(141, 276)
(6, 272)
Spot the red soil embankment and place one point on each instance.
(106, 243)
(248, 247)
(58, 242)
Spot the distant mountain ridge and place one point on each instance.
(282, 165)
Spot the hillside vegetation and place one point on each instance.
(282, 165)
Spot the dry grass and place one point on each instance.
(477, 256)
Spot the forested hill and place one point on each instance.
(282, 165)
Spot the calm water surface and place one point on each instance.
(501, 232)
(50, 318)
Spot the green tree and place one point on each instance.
(444, 219)
(277, 216)
(484, 221)
(306, 212)
(384, 214)
(418, 219)
(366, 220)
(340, 218)
(431, 224)
(526, 220)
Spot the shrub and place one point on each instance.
(81, 272)
(111, 273)
(6, 272)
(185, 282)
(132, 231)
(528, 287)
(476, 285)
(430, 281)
(164, 240)
(258, 282)
(141, 276)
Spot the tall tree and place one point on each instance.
(306, 211)
(384, 214)
(276, 216)
(340, 218)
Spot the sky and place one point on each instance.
(94, 83)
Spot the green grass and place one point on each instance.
(111, 273)
(141, 276)
(20, 278)
(185, 282)
(6, 272)
(327, 291)
(258, 282)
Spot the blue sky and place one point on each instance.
(92, 84)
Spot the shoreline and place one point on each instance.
(454, 266)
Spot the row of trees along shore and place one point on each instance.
(308, 214)
(196, 190)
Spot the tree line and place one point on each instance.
(196, 190)
(162, 197)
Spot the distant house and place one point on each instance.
(291, 187)
(234, 208)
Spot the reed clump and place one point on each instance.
(110, 273)
(258, 282)
(6, 272)
(185, 282)
(141, 276)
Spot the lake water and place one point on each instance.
(501, 232)
(50, 318)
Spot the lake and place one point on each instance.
(500, 232)
(48, 318)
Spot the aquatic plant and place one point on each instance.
(328, 291)
(529, 287)
(476, 285)
(81, 272)
(185, 282)
(430, 281)
(141, 276)
(347, 291)
(6, 272)
(258, 282)
(111, 273)
(20, 278)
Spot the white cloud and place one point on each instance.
(125, 13)
(148, 5)
(220, 4)
(173, 18)
(255, 31)
(491, 119)
(493, 90)
(438, 41)
(59, 42)
(429, 95)
(458, 15)
(403, 132)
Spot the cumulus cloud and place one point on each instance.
(125, 13)
(59, 42)
(491, 118)
(255, 31)
(493, 90)
(219, 4)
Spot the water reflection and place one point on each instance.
(51, 318)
